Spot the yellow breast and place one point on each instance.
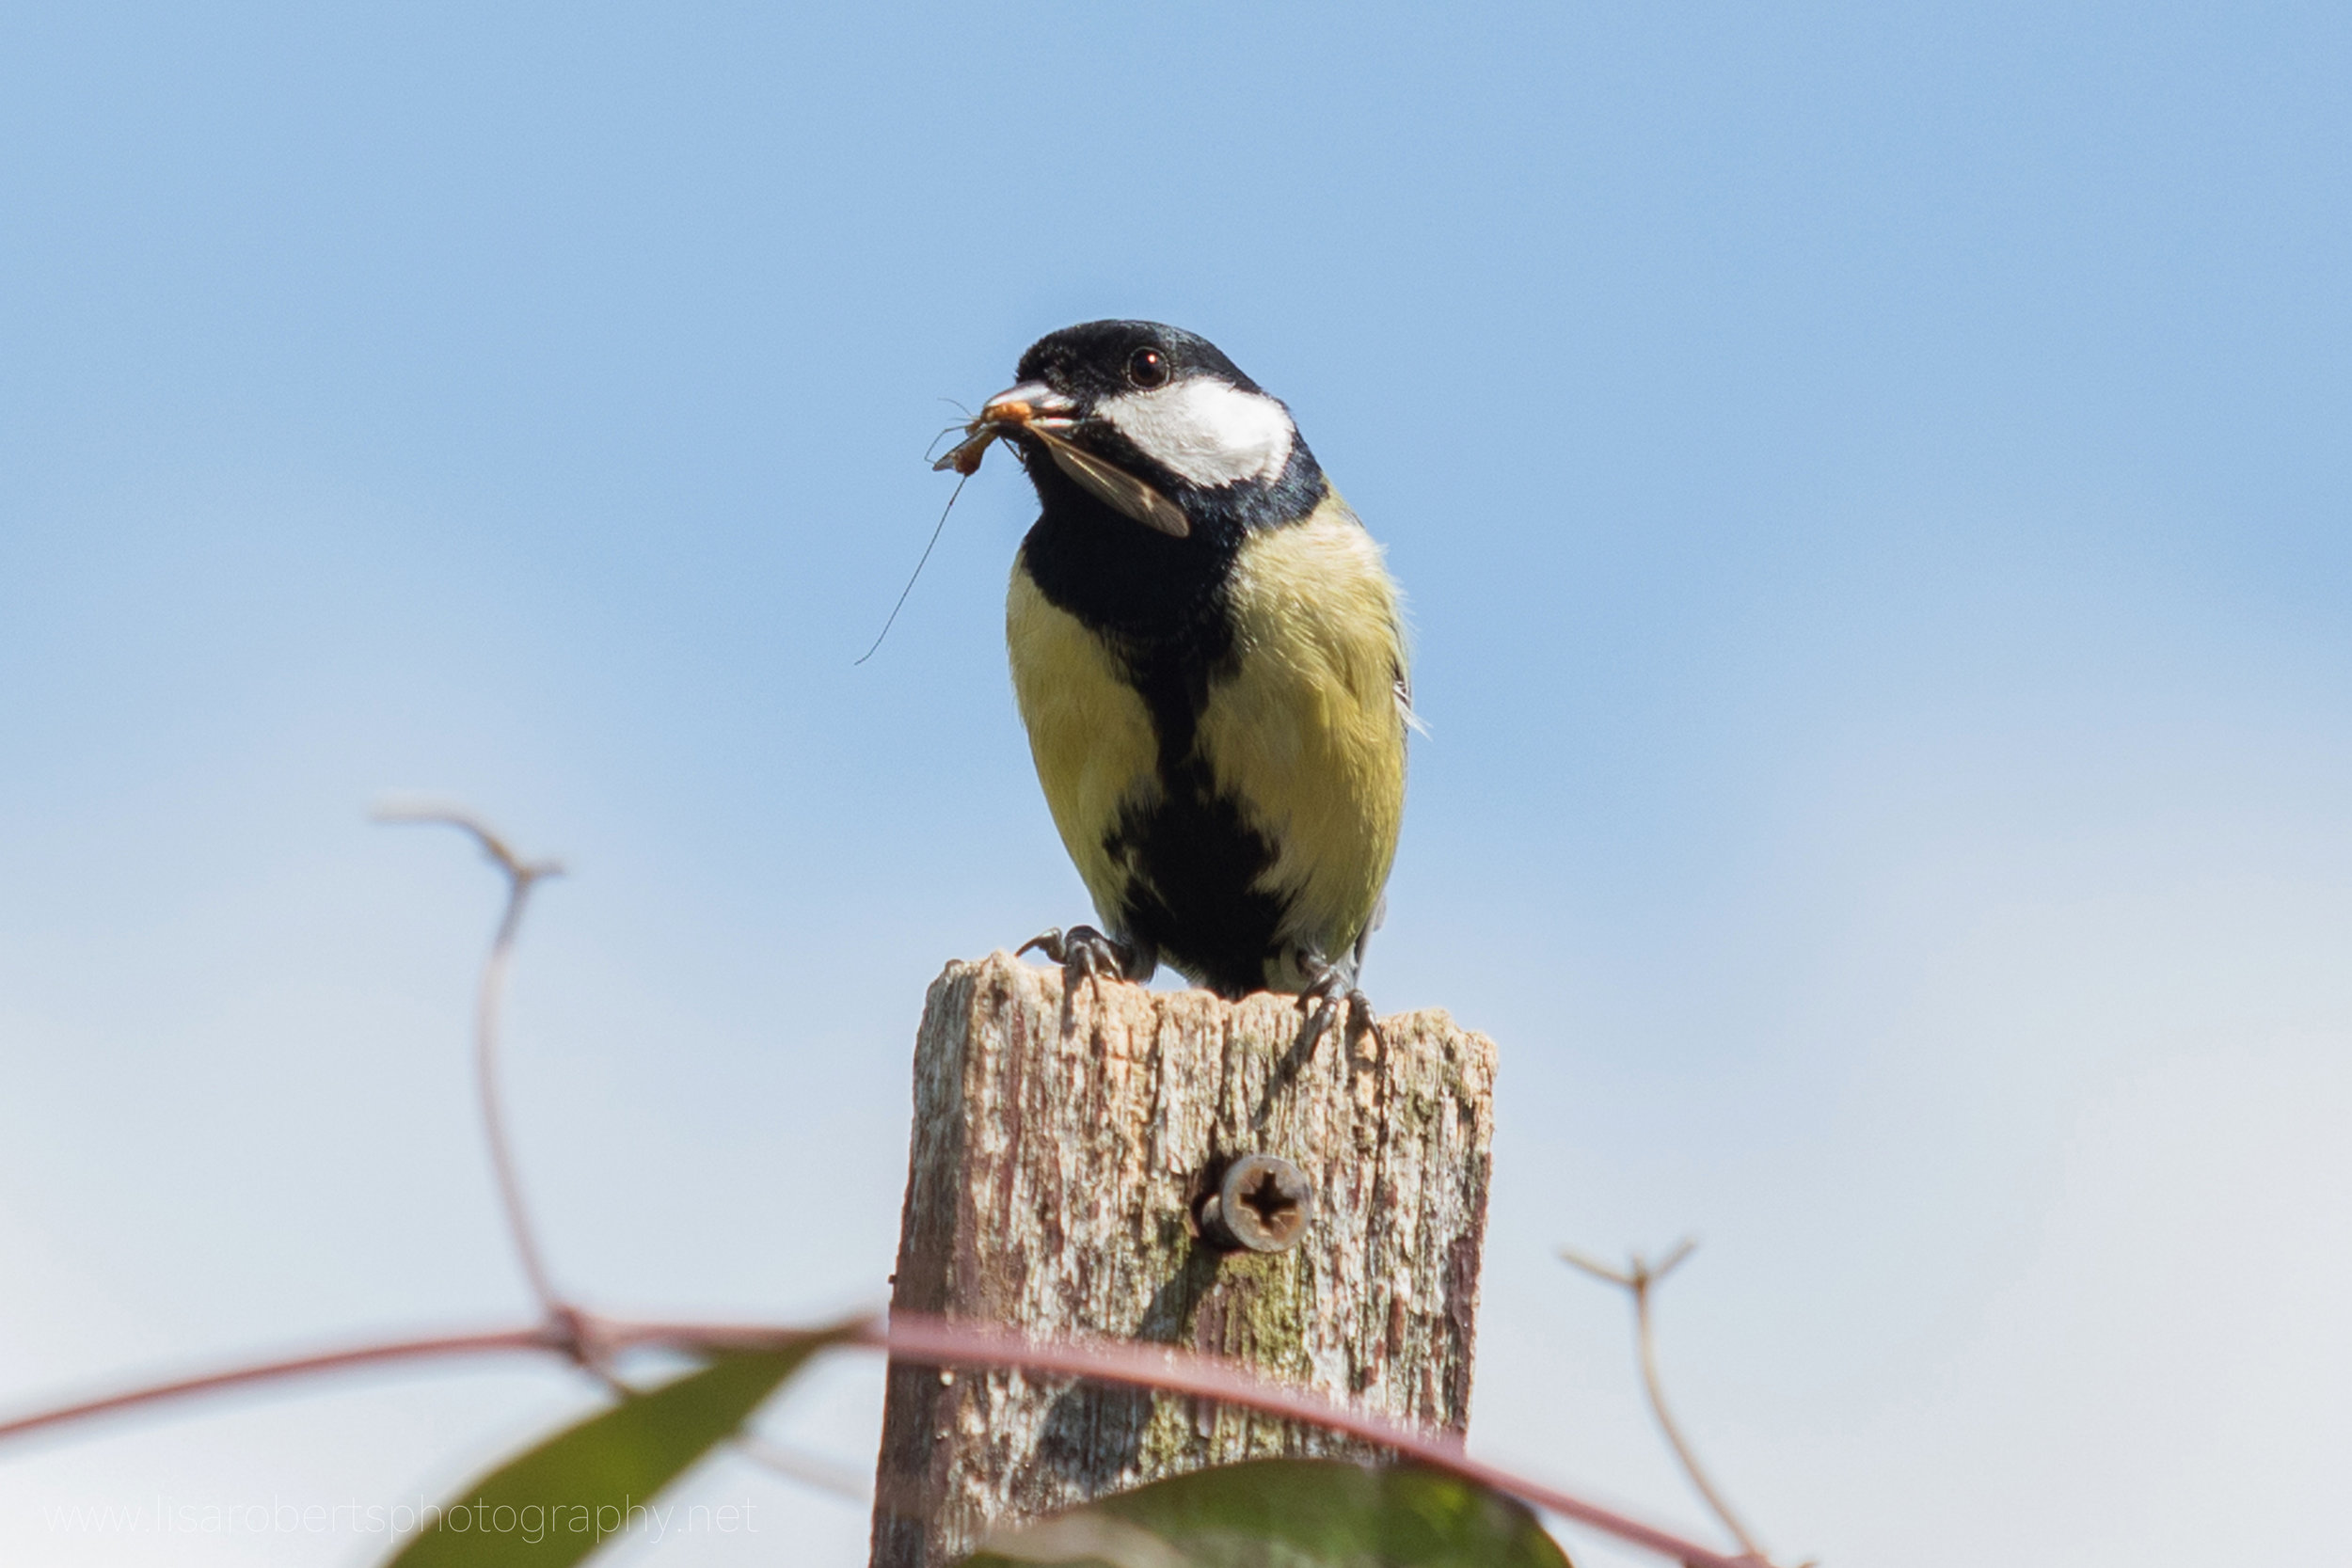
(1088, 731)
(1307, 731)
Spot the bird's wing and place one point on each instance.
(1402, 685)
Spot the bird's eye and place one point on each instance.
(1148, 366)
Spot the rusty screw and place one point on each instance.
(1263, 1205)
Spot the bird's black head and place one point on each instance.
(1169, 417)
(1100, 360)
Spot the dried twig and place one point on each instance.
(592, 1341)
(521, 877)
(565, 1325)
(1636, 1280)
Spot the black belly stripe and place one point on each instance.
(1192, 859)
(1195, 861)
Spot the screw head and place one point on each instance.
(1264, 1204)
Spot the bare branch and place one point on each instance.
(1637, 1281)
(565, 1325)
(593, 1342)
(521, 877)
(1598, 1271)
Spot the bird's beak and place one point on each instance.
(1037, 411)
(1032, 403)
(1032, 408)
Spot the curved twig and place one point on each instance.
(489, 998)
(592, 1341)
(1636, 1281)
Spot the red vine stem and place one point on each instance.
(934, 1341)
(589, 1340)
(269, 1371)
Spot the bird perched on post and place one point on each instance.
(1210, 659)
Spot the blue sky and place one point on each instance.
(1871, 484)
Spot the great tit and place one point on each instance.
(1210, 658)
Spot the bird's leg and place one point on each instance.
(1331, 987)
(1088, 952)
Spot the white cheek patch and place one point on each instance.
(1204, 431)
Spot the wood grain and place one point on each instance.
(1063, 1139)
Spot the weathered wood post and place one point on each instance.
(1065, 1141)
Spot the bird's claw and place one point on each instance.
(1330, 990)
(1082, 951)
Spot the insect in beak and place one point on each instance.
(964, 456)
(1037, 411)
(1032, 406)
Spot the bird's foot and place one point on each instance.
(1329, 988)
(1083, 953)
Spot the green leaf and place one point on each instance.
(1288, 1513)
(553, 1505)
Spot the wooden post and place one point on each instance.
(1064, 1141)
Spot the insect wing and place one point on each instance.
(1116, 488)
